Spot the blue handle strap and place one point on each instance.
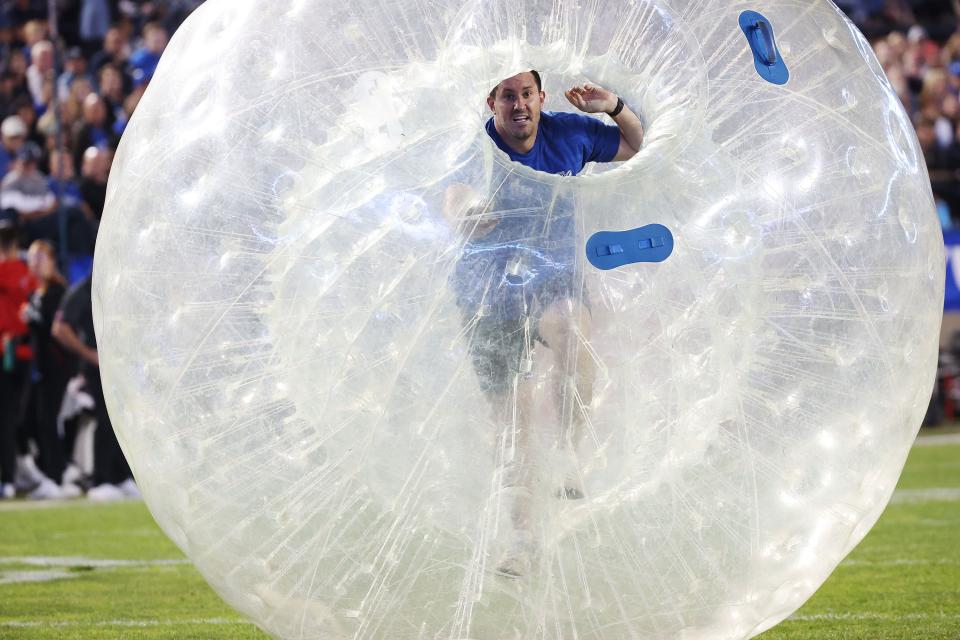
(767, 59)
(611, 249)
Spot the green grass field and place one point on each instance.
(106, 571)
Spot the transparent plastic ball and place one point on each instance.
(347, 420)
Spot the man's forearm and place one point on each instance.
(65, 334)
(630, 127)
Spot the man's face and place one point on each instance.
(94, 111)
(43, 60)
(113, 41)
(516, 107)
(155, 40)
(26, 167)
(13, 143)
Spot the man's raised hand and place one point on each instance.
(591, 98)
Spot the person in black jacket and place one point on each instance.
(52, 368)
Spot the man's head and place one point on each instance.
(42, 260)
(74, 62)
(154, 37)
(41, 56)
(115, 42)
(516, 104)
(111, 82)
(94, 111)
(29, 157)
(23, 107)
(96, 165)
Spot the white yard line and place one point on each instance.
(20, 577)
(28, 505)
(871, 615)
(80, 561)
(937, 440)
(60, 624)
(900, 562)
(64, 567)
(933, 494)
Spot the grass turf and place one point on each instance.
(902, 582)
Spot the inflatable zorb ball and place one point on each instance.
(301, 361)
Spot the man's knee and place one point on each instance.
(565, 322)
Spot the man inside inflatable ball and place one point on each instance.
(517, 282)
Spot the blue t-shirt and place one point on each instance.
(565, 143)
(532, 250)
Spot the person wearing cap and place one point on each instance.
(74, 66)
(13, 132)
(27, 191)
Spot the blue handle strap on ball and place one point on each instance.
(766, 56)
(611, 249)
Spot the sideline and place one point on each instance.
(937, 440)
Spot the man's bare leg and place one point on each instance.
(512, 412)
(566, 328)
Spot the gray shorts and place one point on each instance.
(501, 343)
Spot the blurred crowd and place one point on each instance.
(68, 87)
(918, 45)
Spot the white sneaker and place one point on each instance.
(105, 493)
(70, 490)
(572, 486)
(27, 477)
(130, 489)
(7, 491)
(48, 490)
(72, 474)
(517, 560)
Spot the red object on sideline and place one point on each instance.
(16, 285)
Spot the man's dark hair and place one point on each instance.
(536, 76)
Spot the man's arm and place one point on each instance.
(65, 334)
(461, 201)
(29, 207)
(593, 99)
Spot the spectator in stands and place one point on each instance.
(143, 62)
(93, 182)
(116, 50)
(81, 223)
(40, 70)
(79, 90)
(10, 90)
(23, 107)
(52, 369)
(13, 133)
(16, 284)
(17, 66)
(26, 190)
(73, 327)
(112, 92)
(74, 67)
(94, 129)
